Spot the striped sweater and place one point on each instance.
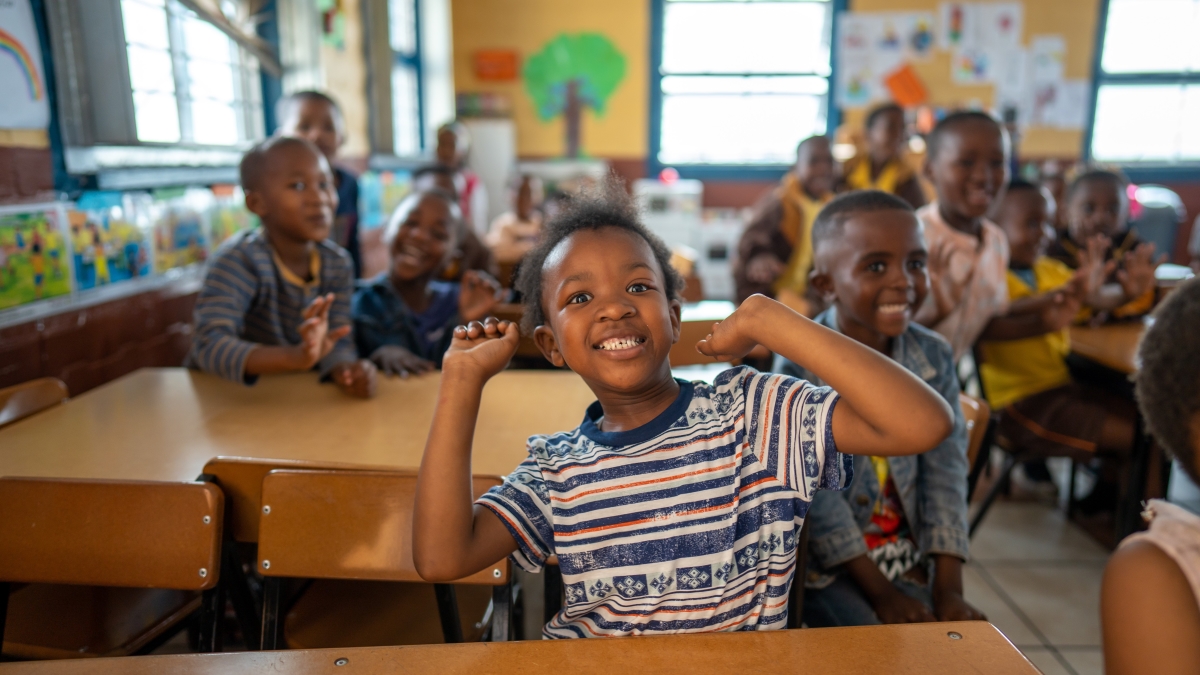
(251, 298)
(688, 523)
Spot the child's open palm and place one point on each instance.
(316, 338)
(1093, 269)
(482, 348)
(1137, 274)
(477, 295)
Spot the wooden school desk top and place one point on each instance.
(1114, 346)
(906, 649)
(165, 423)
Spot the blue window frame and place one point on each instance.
(408, 111)
(736, 85)
(1145, 100)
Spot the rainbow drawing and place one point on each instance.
(11, 45)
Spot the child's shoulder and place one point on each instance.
(1052, 271)
(334, 257)
(245, 250)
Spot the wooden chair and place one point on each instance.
(158, 544)
(981, 428)
(28, 398)
(357, 525)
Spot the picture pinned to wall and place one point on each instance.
(1000, 26)
(24, 104)
(872, 47)
(957, 26)
(379, 193)
(571, 73)
(33, 254)
(971, 66)
(107, 244)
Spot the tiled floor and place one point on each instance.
(1037, 578)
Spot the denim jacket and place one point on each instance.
(932, 486)
(382, 318)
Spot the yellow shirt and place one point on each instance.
(1014, 369)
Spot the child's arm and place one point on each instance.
(884, 409)
(1046, 313)
(891, 605)
(1148, 613)
(452, 538)
(316, 341)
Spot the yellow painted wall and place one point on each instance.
(24, 138)
(1075, 20)
(527, 25)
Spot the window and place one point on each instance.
(738, 83)
(406, 78)
(190, 83)
(1148, 99)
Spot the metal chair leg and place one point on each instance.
(502, 613)
(447, 605)
(270, 613)
(552, 593)
(212, 610)
(234, 579)
(994, 491)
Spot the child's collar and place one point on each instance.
(590, 427)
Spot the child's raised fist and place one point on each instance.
(734, 337)
(482, 348)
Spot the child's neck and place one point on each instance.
(414, 292)
(861, 333)
(878, 165)
(964, 224)
(808, 192)
(624, 411)
(296, 254)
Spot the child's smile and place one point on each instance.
(423, 240)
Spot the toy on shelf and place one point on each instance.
(178, 219)
(229, 214)
(33, 254)
(107, 244)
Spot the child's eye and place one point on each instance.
(638, 288)
(876, 267)
(579, 298)
(916, 265)
(299, 186)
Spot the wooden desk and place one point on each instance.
(1112, 346)
(165, 423)
(900, 650)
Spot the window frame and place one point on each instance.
(1138, 172)
(730, 172)
(381, 61)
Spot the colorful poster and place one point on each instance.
(958, 25)
(24, 104)
(379, 193)
(33, 255)
(1000, 25)
(107, 245)
(971, 66)
(178, 219)
(229, 215)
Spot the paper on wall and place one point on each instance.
(1047, 54)
(1010, 74)
(872, 46)
(999, 26)
(971, 66)
(958, 25)
(1074, 99)
(24, 104)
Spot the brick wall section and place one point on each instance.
(25, 173)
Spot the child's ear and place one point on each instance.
(254, 203)
(822, 282)
(548, 345)
(676, 320)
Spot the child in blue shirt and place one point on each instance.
(674, 506)
(404, 318)
(890, 548)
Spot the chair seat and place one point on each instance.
(53, 621)
(349, 613)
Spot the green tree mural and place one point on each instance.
(570, 72)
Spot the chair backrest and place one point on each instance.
(241, 479)
(22, 400)
(110, 533)
(976, 411)
(1161, 211)
(347, 525)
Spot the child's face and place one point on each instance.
(875, 273)
(295, 196)
(1097, 207)
(316, 122)
(608, 317)
(814, 167)
(1025, 218)
(423, 241)
(886, 137)
(970, 169)
(447, 148)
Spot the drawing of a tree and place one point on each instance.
(570, 72)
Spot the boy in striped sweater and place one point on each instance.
(674, 506)
(277, 298)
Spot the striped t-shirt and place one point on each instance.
(685, 524)
(251, 298)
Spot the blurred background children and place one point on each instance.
(316, 118)
(884, 167)
(514, 232)
(453, 144)
(469, 252)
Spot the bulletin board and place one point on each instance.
(1073, 20)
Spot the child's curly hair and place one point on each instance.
(1168, 379)
(606, 205)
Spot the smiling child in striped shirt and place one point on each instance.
(674, 506)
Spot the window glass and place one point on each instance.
(1147, 123)
(741, 37)
(1152, 36)
(405, 112)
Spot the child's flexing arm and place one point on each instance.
(452, 537)
(884, 409)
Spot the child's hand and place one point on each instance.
(896, 607)
(1093, 269)
(395, 360)
(764, 269)
(355, 378)
(1061, 308)
(1136, 275)
(316, 338)
(482, 348)
(951, 606)
(732, 338)
(477, 295)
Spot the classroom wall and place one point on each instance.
(345, 78)
(1075, 20)
(525, 26)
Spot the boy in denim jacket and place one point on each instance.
(890, 548)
